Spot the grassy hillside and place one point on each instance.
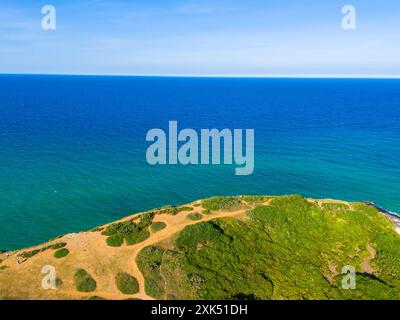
(250, 247)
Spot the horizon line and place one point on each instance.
(271, 76)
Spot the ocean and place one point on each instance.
(73, 149)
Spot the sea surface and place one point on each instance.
(73, 149)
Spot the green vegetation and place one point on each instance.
(96, 298)
(115, 240)
(256, 199)
(289, 249)
(149, 262)
(222, 203)
(59, 282)
(97, 229)
(173, 210)
(197, 234)
(84, 282)
(132, 231)
(388, 256)
(29, 254)
(61, 253)
(126, 283)
(137, 237)
(157, 226)
(335, 206)
(185, 209)
(195, 216)
(58, 245)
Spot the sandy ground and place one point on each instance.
(88, 250)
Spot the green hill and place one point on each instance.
(249, 247)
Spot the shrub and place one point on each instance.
(96, 298)
(149, 260)
(84, 282)
(29, 254)
(145, 220)
(61, 253)
(58, 245)
(97, 229)
(172, 210)
(256, 198)
(132, 231)
(157, 226)
(222, 203)
(185, 209)
(59, 282)
(194, 216)
(126, 283)
(137, 237)
(168, 210)
(335, 206)
(115, 240)
(198, 234)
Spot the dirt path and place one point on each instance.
(174, 224)
(365, 266)
(89, 251)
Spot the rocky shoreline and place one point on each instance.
(391, 215)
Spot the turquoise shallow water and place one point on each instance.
(72, 149)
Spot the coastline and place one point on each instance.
(133, 245)
(392, 216)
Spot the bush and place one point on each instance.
(126, 283)
(256, 198)
(185, 209)
(96, 298)
(173, 210)
(58, 245)
(61, 253)
(132, 231)
(115, 240)
(199, 233)
(149, 260)
(222, 203)
(29, 254)
(157, 226)
(97, 229)
(137, 237)
(194, 216)
(84, 282)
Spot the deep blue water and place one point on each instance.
(72, 149)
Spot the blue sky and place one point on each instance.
(201, 37)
